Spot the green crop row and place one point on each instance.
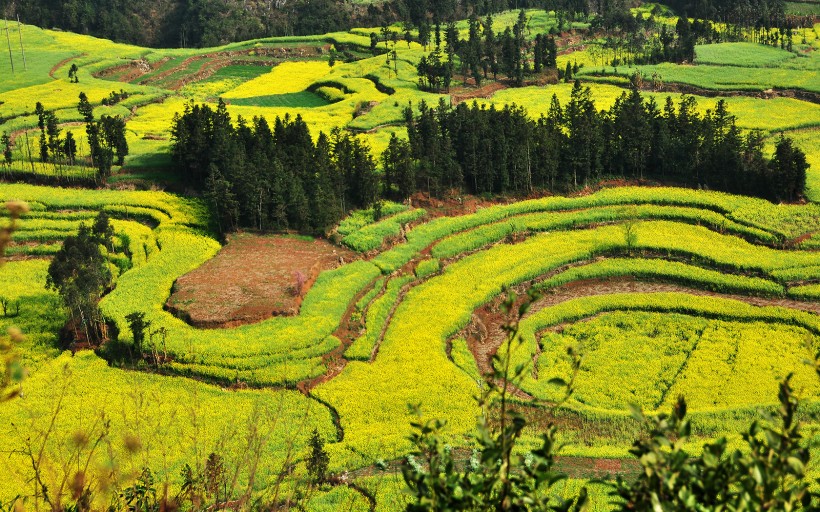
(372, 236)
(48, 249)
(427, 268)
(360, 218)
(779, 220)
(741, 54)
(547, 221)
(721, 78)
(805, 292)
(371, 294)
(51, 224)
(664, 270)
(41, 213)
(179, 210)
(375, 319)
(41, 235)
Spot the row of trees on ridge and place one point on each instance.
(264, 177)
(503, 151)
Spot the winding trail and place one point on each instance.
(56, 67)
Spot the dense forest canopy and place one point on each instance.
(271, 177)
(576, 144)
(264, 177)
(201, 23)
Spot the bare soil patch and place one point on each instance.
(461, 94)
(252, 278)
(267, 57)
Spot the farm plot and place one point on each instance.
(174, 248)
(403, 348)
(253, 278)
(736, 360)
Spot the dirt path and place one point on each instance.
(62, 63)
(461, 94)
(334, 360)
(573, 467)
(485, 334)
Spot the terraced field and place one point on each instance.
(698, 293)
(708, 271)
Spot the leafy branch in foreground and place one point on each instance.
(768, 473)
(12, 371)
(497, 478)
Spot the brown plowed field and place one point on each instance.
(252, 278)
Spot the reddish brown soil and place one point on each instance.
(251, 279)
(459, 94)
(452, 205)
(62, 63)
(215, 61)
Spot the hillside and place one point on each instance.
(260, 346)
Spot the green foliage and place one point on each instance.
(142, 496)
(376, 315)
(373, 236)
(303, 99)
(741, 54)
(497, 478)
(426, 268)
(79, 272)
(663, 270)
(359, 219)
(769, 474)
(138, 325)
(318, 459)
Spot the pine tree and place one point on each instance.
(222, 200)
(398, 168)
(788, 170)
(5, 140)
(318, 460)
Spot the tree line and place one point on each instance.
(487, 150)
(483, 53)
(272, 177)
(745, 13)
(265, 177)
(107, 144)
(202, 23)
